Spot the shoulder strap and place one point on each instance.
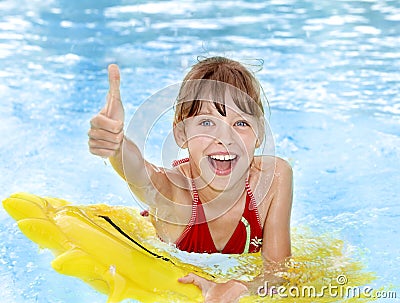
(252, 205)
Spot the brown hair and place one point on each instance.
(241, 83)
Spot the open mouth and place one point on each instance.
(222, 164)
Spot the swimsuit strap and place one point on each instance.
(253, 203)
(194, 204)
(193, 216)
(179, 162)
(252, 206)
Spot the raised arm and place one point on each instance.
(106, 139)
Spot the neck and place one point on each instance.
(216, 202)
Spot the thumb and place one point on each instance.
(114, 108)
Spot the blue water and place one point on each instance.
(330, 72)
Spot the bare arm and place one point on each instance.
(276, 238)
(106, 139)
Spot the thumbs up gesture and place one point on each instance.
(107, 127)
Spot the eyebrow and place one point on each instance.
(207, 111)
(244, 116)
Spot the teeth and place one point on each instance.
(223, 157)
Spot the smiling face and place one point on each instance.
(221, 140)
(219, 117)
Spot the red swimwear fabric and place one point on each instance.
(247, 237)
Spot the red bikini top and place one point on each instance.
(196, 237)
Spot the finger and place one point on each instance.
(196, 280)
(103, 148)
(102, 122)
(100, 134)
(114, 104)
(103, 144)
(114, 79)
(188, 279)
(203, 284)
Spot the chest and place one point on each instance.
(223, 225)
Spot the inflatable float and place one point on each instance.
(117, 252)
(102, 245)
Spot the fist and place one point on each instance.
(107, 127)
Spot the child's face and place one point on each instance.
(221, 148)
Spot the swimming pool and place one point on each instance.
(330, 72)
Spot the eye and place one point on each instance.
(242, 124)
(206, 123)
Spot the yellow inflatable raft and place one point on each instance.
(102, 245)
(116, 251)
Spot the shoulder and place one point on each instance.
(283, 169)
(277, 165)
(282, 181)
(166, 186)
(276, 176)
(282, 184)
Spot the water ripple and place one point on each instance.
(332, 52)
(330, 72)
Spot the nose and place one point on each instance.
(225, 134)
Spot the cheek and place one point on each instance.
(250, 146)
(248, 139)
(197, 144)
(203, 133)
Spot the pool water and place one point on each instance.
(330, 71)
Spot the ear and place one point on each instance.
(260, 140)
(180, 135)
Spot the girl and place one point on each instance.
(222, 198)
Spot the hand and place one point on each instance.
(106, 128)
(228, 292)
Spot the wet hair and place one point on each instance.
(210, 79)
